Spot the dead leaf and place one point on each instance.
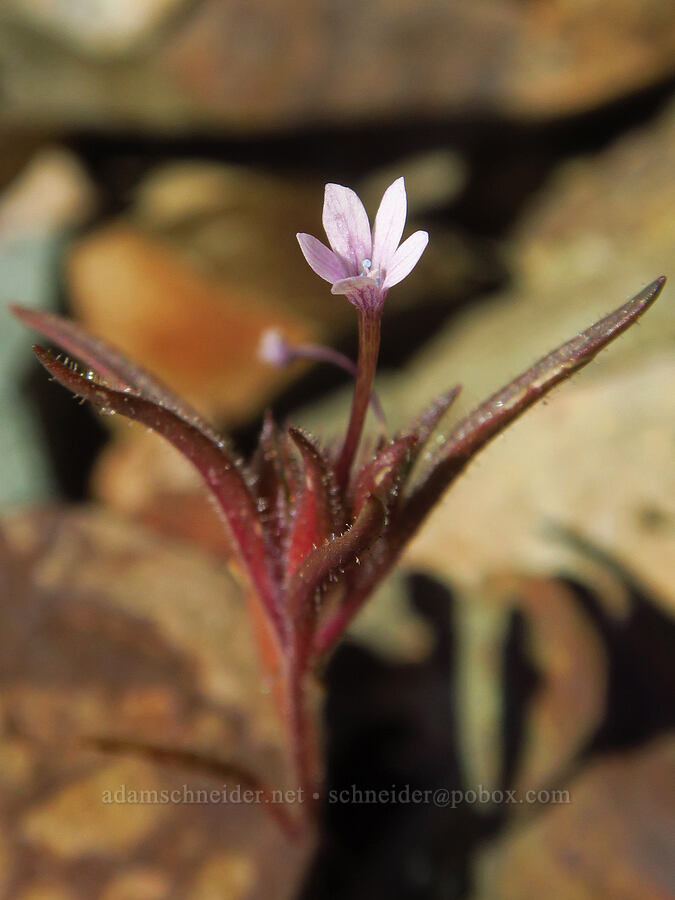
(569, 660)
(612, 838)
(114, 637)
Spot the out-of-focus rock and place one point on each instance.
(18, 148)
(390, 626)
(173, 65)
(52, 193)
(102, 28)
(110, 633)
(608, 834)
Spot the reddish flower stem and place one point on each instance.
(369, 348)
(320, 353)
(303, 734)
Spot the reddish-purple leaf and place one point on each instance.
(109, 364)
(212, 460)
(426, 424)
(335, 554)
(362, 582)
(314, 518)
(479, 427)
(269, 483)
(381, 476)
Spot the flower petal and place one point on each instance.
(361, 291)
(324, 262)
(389, 223)
(347, 227)
(405, 259)
(351, 284)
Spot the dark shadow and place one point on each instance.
(391, 728)
(72, 432)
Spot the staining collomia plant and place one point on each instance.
(314, 530)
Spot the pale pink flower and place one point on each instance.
(361, 264)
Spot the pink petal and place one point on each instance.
(352, 284)
(324, 262)
(360, 290)
(405, 259)
(389, 223)
(347, 227)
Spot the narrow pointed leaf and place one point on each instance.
(376, 563)
(212, 460)
(268, 479)
(427, 423)
(314, 512)
(381, 476)
(491, 417)
(335, 554)
(110, 365)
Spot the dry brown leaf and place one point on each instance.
(613, 839)
(569, 659)
(111, 633)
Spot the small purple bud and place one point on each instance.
(274, 349)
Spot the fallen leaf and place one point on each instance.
(570, 666)
(611, 838)
(115, 640)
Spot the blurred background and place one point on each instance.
(157, 158)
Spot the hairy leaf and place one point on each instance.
(314, 509)
(118, 372)
(491, 417)
(211, 459)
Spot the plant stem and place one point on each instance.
(319, 353)
(304, 737)
(369, 348)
